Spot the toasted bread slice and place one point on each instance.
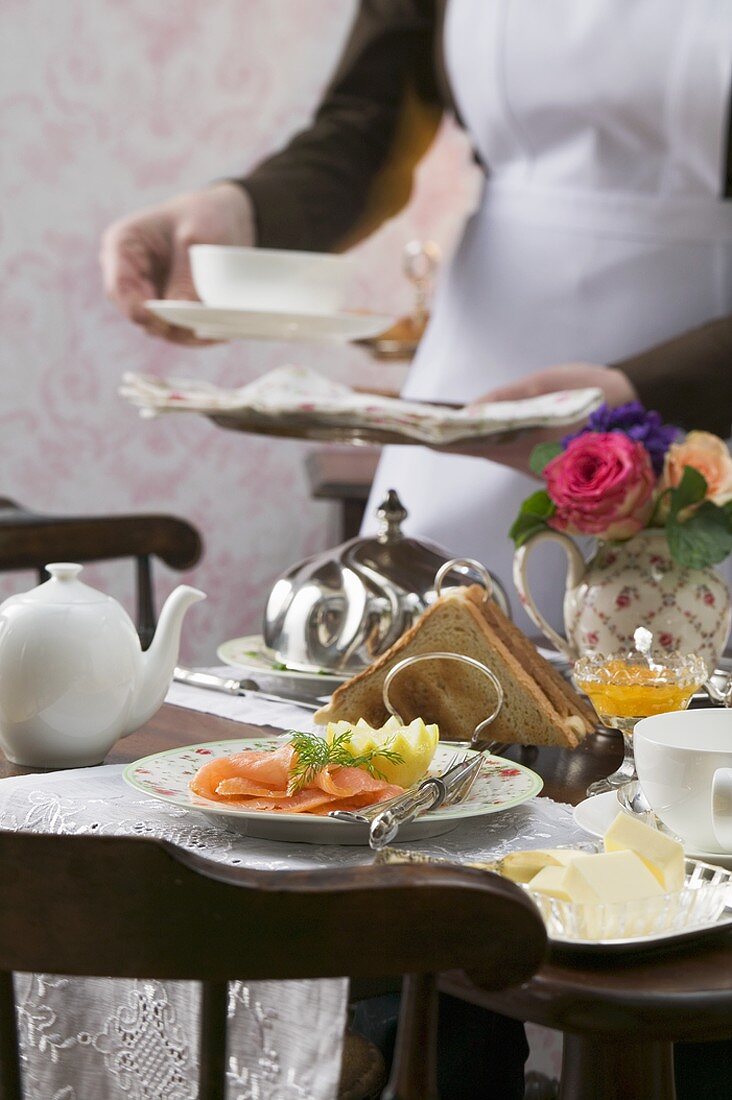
(539, 707)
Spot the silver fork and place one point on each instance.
(461, 793)
(368, 813)
(431, 794)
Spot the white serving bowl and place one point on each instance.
(269, 279)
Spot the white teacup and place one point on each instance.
(270, 279)
(684, 764)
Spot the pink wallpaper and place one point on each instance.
(109, 105)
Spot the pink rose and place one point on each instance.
(602, 484)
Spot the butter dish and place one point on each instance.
(702, 906)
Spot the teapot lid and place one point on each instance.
(63, 587)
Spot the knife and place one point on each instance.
(427, 795)
(243, 688)
(430, 794)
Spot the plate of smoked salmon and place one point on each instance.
(283, 788)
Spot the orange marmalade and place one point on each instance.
(636, 691)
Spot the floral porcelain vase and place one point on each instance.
(630, 584)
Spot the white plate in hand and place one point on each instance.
(215, 323)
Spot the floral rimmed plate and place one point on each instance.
(166, 775)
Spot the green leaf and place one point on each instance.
(542, 455)
(539, 504)
(524, 528)
(705, 538)
(535, 511)
(691, 489)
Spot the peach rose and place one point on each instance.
(602, 484)
(709, 455)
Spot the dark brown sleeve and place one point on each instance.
(688, 378)
(336, 181)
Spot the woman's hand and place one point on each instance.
(567, 376)
(145, 255)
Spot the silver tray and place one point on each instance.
(695, 870)
(318, 431)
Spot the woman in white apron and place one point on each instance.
(600, 230)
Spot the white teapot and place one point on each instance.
(73, 677)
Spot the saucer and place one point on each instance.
(214, 323)
(596, 814)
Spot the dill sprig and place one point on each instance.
(313, 753)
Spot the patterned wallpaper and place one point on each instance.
(110, 105)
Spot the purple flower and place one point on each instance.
(637, 423)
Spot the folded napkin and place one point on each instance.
(294, 394)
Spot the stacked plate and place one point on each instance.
(250, 655)
(216, 323)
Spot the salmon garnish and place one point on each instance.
(269, 781)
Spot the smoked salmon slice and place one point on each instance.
(258, 781)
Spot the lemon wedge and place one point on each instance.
(415, 744)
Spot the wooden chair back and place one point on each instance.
(132, 907)
(29, 540)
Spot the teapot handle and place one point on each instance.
(575, 573)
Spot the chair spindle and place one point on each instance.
(10, 1080)
(414, 1068)
(212, 1053)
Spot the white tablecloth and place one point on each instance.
(85, 1039)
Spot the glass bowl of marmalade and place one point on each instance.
(623, 688)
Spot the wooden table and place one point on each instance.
(619, 1016)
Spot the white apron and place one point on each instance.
(600, 231)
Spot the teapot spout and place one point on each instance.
(161, 658)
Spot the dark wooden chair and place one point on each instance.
(29, 540)
(131, 907)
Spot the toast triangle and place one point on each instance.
(539, 707)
